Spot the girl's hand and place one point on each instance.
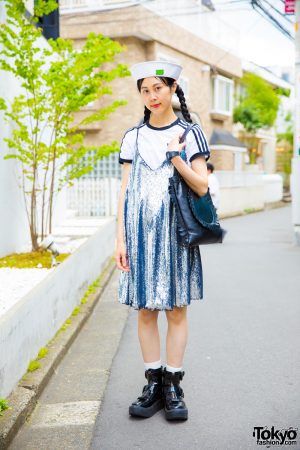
(121, 257)
(174, 144)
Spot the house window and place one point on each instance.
(222, 95)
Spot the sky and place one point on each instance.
(260, 41)
(236, 27)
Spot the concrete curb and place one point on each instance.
(267, 207)
(23, 399)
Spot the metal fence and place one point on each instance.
(96, 194)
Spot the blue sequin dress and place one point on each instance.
(162, 273)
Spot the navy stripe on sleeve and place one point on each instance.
(122, 161)
(198, 154)
(201, 140)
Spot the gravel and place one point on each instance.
(16, 283)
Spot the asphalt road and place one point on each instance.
(242, 361)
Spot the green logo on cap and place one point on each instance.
(159, 71)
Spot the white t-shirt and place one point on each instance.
(153, 143)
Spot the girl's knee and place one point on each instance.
(177, 315)
(147, 316)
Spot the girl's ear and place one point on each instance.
(173, 87)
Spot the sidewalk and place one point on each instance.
(242, 362)
(66, 411)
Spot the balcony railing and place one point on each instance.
(85, 5)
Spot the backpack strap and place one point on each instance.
(182, 139)
(186, 131)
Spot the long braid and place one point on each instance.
(147, 113)
(184, 109)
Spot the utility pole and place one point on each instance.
(295, 177)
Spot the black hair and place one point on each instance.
(210, 167)
(180, 94)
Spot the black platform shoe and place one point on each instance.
(175, 407)
(151, 399)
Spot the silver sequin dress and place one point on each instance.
(162, 274)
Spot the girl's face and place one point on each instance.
(156, 95)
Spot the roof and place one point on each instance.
(223, 137)
(266, 74)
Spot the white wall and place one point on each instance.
(273, 188)
(235, 200)
(32, 322)
(240, 191)
(14, 234)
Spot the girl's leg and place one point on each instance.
(175, 407)
(149, 335)
(151, 399)
(177, 336)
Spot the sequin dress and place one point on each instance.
(162, 274)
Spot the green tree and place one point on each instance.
(288, 134)
(286, 142)
(257, 107)
(57, 82)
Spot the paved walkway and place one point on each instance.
(242, 362)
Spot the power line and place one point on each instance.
(265, 13)
(231, 49)
(279, 12)
(191, 11)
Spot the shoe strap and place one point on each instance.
(174, 392)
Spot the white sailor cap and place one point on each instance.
(155, 69)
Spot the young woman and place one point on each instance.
(156, 273)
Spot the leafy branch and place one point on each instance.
(257, 107)
(57, 81)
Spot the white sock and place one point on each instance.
(153, 365)
(173, 369)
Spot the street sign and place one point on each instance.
(289, 6)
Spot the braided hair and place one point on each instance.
(147, 113)
(183, 106)
(179, 92)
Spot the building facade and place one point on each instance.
(209, 79)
